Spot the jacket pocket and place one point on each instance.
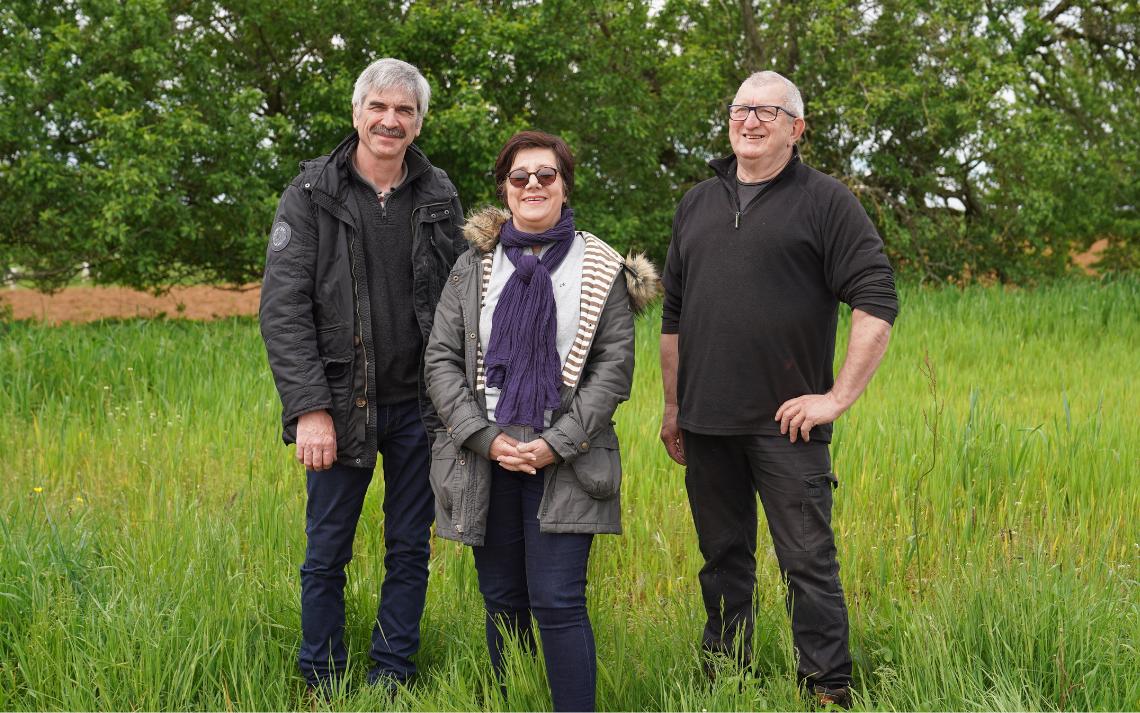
(335, 338)
(598, 470)
(436, 223)
(447, 474)
(337, 368)
(338, 376)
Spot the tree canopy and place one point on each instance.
(149, 140)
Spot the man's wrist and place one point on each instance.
(840, 402)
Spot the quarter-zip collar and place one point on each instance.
(725, 169)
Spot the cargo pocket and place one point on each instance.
(448, 465)
(815, 508)
(598, 469)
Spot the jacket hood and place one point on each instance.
(641, 278)
(482, 227)
(642, 281)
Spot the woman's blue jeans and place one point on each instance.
(524, 572)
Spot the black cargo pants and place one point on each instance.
(794, 482)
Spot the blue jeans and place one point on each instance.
(335, 499)
(523, 571)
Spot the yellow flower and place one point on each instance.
(37, 489)
(79, 500)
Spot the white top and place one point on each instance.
(567, 284)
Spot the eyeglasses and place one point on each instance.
(739, 112)
(520, 177)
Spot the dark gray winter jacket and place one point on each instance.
(315, 316)
(582, 489)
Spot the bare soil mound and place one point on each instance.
(86, 304)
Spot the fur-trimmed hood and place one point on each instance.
(482, 227)
(641, 278)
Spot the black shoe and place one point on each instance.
(832, 697)
(385, 682)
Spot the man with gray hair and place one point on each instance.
(358, 253)
(760, 257)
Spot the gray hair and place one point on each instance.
(387, 73)
(792, 99)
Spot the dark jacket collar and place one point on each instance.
(725, 167)
(330, 174)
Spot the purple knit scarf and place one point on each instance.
(522, 354)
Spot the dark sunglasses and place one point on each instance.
(520, 177)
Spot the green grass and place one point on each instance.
(157, 567)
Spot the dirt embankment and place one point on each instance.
(87, 304)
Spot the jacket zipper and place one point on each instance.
(465, 504)
(360, 330)
(461, 523)
(736, 198)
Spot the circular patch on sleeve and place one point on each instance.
(279, 236)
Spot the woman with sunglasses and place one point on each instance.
(530, 354)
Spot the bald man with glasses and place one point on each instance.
(760, 258)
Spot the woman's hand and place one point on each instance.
(504, 451)
(537, 453)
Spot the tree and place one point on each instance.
(985, 138)
(150, 139)
(118, 154)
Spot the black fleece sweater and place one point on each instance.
(753, 294)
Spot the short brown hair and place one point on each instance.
(534, 140)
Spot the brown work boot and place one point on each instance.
(832, 697)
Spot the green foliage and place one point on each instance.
(149, 139)
(156, 568)
(984, 138)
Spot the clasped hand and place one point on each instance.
(529, 457)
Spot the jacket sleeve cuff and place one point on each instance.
(480, 441)
(567, 438)
(558, 459)
(465, 423)
(304, 400)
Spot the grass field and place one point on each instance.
(151, 527)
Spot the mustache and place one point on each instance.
(394, 133)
